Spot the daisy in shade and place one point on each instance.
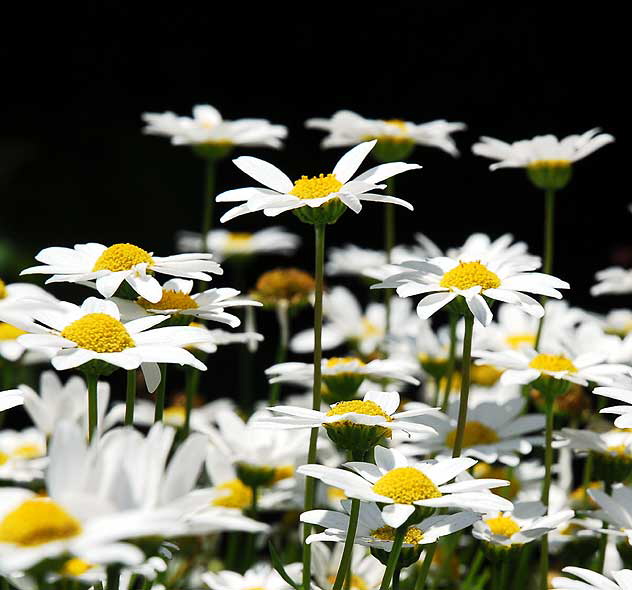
(494, 431)
(281, 194)
(367, 572)
(22, 455)
(207, 127)
(616, 509)
(592, 580)
(348, 128)
(226, 244)
(375, 533)
(612, 281)
(527, 522)
(110, 267)
(94, 331)
(441, 280)
(262, 576)
(542, 150)
(621, 391)
(402, 486)
(177, 301)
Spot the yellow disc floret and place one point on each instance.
(283, 472)
(284, 284)
(170, 300)
(122, 257)
(357, 583)
(476, 433)
(336, 361)
(9, 331)
(405, 485)
(38, 521)
(75, 567)
(28, 451)
(520, 339)
(3, 458)
(235, 495)
(316, 186)
(369, 408)
(99, 332)
(3, 289)
(413, 535)
(552, 362)
(504, 526)
(538, 164)
(619, 451)
(470, 274)
(238, 242)
(175, 415)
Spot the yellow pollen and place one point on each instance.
(237, 495)
(75, 567)
(476, 433)
(470, 274)
(282, 472)
(316, 186)
(406, 485)
(334, 494)
(284, 284)
(238, 240)
(386, 533)
(3, 458)
(170, 300)
(552, 362)
(99, 332)
(539, 164)
(3, 289)
(175, 415)
(38, 521)
(357, 583)
(9, 332)
(401, 125)
(519, 339)
(619, 450)
(122, 257)
(485, 375)
(504, 526)
(368, 408)
(28, 451)
(343, 360)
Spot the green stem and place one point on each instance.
(191, 378)
(93, 405)
(474, 568)
(549, 240)
(548, 464)
(160, 394)
(207, 202)
(465, 385)
(113, 574)
(420, 583)
(347, 553)
(130, 397)
(449, 374)
(310, 482)
(396, 574)
(393, 558)
(281, 353)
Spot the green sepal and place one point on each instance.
(213, 151)
(326, 214)
(550, 177)
(387, 150)
(254, 475)
(275, 558)
(357, 438)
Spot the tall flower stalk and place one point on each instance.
(465, 384)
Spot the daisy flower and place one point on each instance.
(375, 533)
(616, 509)
(22, 455)
(335, 188)
(593, 580)
(21, 294)
(527, 522)
(110, 267)
(402, 486)
(94, 332)
(613, 280)
(224, 244)
(542, 150)
(11, 398)
(367, 571)
(177, 302)
(207, 127)
(621, 391)
(217, 337)
(348, 128)
(262, 576)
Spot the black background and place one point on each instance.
(75, 167)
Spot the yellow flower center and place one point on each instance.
(99, 332)
(401, 125)
(539, 164)
(552, 362)
(316, 186)
(485, 470)
(283, 472)
(9, 332)
(75, 567)
(504, 526)
(520, 339)
(406, 485)
(284, 284)
(413, 535)
(357, 583)
(28, 451)
(369, 329)
(3, 289)
(238, 241)
(476, 433)
(368, 408)
(484, 375)
(237, 495)
(3, 458)
(470, 274)
(122, 257)
(336, 361)
(170, 300)
(619, 450)
(336, 494)
(175, 415)
(38, 521)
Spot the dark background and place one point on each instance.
(75, 167)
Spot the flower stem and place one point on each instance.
(93, 407)
(347, 553)
(449, 373)
(310, 482)
(160, 394)
(283, 318)
(130, 397)
(420, 582)
(207, 202)
(465, 385)
(548, 464)
(113, 574)
(393, 558)
(549, 240)
(192, 378)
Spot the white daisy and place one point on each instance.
(616, 510)
(283, 195)
(207, 127)
(22, 455)
(94, 332)
(348, 128)
(22, 293)
(593, 580)
(262, 576)
(441, 280)
(217, 337)
(542, 150)
(527, 522)
(353, 260)
(613, 280)
(11, 398)
(224, 244)
(402, 486)
(621, 391)
(110, 267)
(374, 532)
(618, 321)
(614, 445)
(367, 571)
